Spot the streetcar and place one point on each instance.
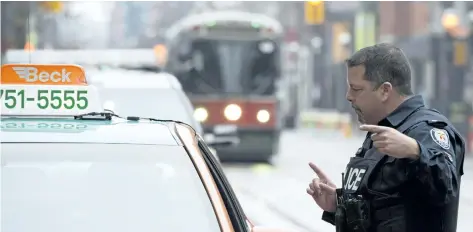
(228, 63)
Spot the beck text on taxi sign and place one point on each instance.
(29, 74)
(46, 90)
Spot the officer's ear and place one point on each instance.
(385, 90)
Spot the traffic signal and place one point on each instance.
(314, 12)
(52, 6)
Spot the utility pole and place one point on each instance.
(314, 12)
(439, 57)
(450, 54)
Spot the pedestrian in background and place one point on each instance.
(406, 176)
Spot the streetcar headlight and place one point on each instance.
(263, 116)
(266, 47)
(232, 112)
(201, 114)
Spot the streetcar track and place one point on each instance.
(276, 210)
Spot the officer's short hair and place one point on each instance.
(384, 63)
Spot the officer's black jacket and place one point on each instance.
(424, 193)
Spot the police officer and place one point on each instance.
(406, 176)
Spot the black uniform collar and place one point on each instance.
(403, 111)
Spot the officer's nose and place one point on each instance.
(349, 97)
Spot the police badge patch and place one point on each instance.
(440, 137)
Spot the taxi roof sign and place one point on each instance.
(46, 90)
(36, 74)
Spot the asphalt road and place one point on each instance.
(275, 195)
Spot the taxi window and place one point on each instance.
(146, 102)
(102, 187)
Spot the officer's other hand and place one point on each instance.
(391, 142)
(322, 190)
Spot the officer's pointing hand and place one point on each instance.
(322, 190)
(392, 142)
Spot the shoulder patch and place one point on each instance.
(440, 137)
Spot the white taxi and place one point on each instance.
(68, 165)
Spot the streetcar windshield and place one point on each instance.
(230, 66)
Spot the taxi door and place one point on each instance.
(239, 221)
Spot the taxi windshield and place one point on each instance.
(102, 187)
